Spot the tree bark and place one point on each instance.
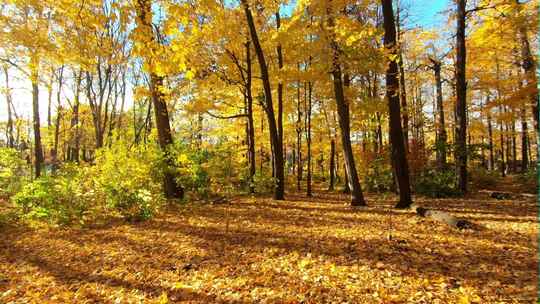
(251, 127)
(38, 149)
(309, 165)
(280, 85)
(9, 127)
(277, 146)
(332, 164)
(461, 99)
(441, 127)
(399, 158)
(171, 188)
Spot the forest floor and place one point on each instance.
(256, 250)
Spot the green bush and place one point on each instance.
(13, 172)
(54, 199)
(437, 184)
(130, 181)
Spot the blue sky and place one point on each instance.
(426, 12)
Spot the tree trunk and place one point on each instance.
(279, 190)
(38, 149)
(357, 198)
(399, 158)
(171, 188)
(58, 117)
(9, 127)
(490, 138)
(529, 67)
(299, 161)
(402, 87)
(309, 166)
(280, 85)
(524, 131)
(461, 99)
(332, 164)
(251, 127)
(441, 127)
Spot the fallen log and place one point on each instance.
(443, 217)
(500, 195)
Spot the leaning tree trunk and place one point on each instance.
(353, 183)
(461, 99)
(277, 151)
(399, 158)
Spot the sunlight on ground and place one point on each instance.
(259, 250)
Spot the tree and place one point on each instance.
(277, 146)
(399, 159)
(461, 98)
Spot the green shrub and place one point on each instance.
(438, 184)
(13, 172)
(54, 199)
(130, 181)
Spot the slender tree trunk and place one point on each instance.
(399, 158)
(38, 149)
(59, 114)
(75, 152)
(461, 99)
(524, 138)
(441, 127)
(251, 127)
(9, 127)
(299, 140)
(332, 164)
(280, 85)
(501, 135)
(279, 190)
(309, 166)
(490, 137)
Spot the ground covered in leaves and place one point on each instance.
(256, 250)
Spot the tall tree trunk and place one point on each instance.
(402, 87)
(58, 117)
(9, 127)
(38, 149)
(332, 164)
(490, 137)
(353, 183)
(441, 127)
(280, 84)
(399, 158)
(75, 151)
(279, 190)
(524, 137)
(309, 165)
(299, 161)
(501, 135)
(529, 67)
(461, 99)
(171, 188)
(251, 127)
